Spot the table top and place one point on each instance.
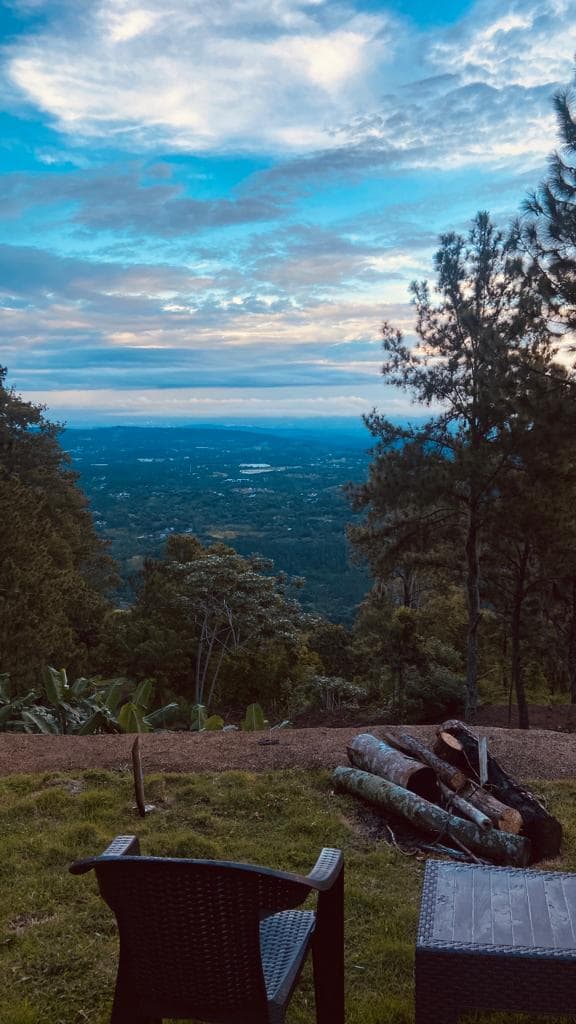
(514, 911)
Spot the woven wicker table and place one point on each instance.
(495, 939)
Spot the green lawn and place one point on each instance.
(57, 938)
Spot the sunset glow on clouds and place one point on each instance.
(208, 210)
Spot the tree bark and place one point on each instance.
(459, 745)
(473, 595)
(500, 847)
(572, 644)
(447, 773)
(370, 754)
(517, 673)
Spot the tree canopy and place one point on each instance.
(54, 569)
(203, 616)
(484, 359)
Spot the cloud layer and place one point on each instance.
(234, 195)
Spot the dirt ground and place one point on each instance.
(539, 753)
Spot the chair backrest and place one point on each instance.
(189, 932)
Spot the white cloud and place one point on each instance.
(290, 76)
(201, 76)
(526, 43)
(126, 25)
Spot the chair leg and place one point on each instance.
(328, 955)
(328, 989)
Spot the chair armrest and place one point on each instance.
(121, 846)
(326, 870)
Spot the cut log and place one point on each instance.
(503, 817)
(458, 744)
(372, 755)
(454, 802)
(446, 772)
(507, 819)
(500, 847)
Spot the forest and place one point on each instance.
(260, 489)
(463, 527)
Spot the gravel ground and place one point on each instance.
(537, 754)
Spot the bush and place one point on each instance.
(433, 696)
(332, 693)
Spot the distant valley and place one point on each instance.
(274, 492)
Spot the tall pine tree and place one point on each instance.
(476, 342)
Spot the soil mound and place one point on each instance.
(536, 754)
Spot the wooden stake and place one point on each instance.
(143, 807)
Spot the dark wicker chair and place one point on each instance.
(217, 941)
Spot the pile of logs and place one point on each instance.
(457, 794)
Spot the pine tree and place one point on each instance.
(549, 233)
(477, 342)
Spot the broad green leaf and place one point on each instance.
(7, 710)
(113, 694)
(98, 722)
(14, 707)
(282, 725)
(254, 719)
(143, 694)
(163, 717)
(131, 719)
(40, 721)
(80, 687)
(214, 723)
(4, 686)
(55, 684)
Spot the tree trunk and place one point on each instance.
(500, 847)
(368, 753)
(473, 595)
(572, 644)
(459, 745)
(517, 672)
(451, 776)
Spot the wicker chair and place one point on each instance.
(217, 941)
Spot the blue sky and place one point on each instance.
(208, 209)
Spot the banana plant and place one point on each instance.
(109, 715)
(67, 709)
(201, 721)
(254, 719)
(84, 707)
(13, 710)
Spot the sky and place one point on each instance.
(208, 209)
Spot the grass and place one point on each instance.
(58, 940)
